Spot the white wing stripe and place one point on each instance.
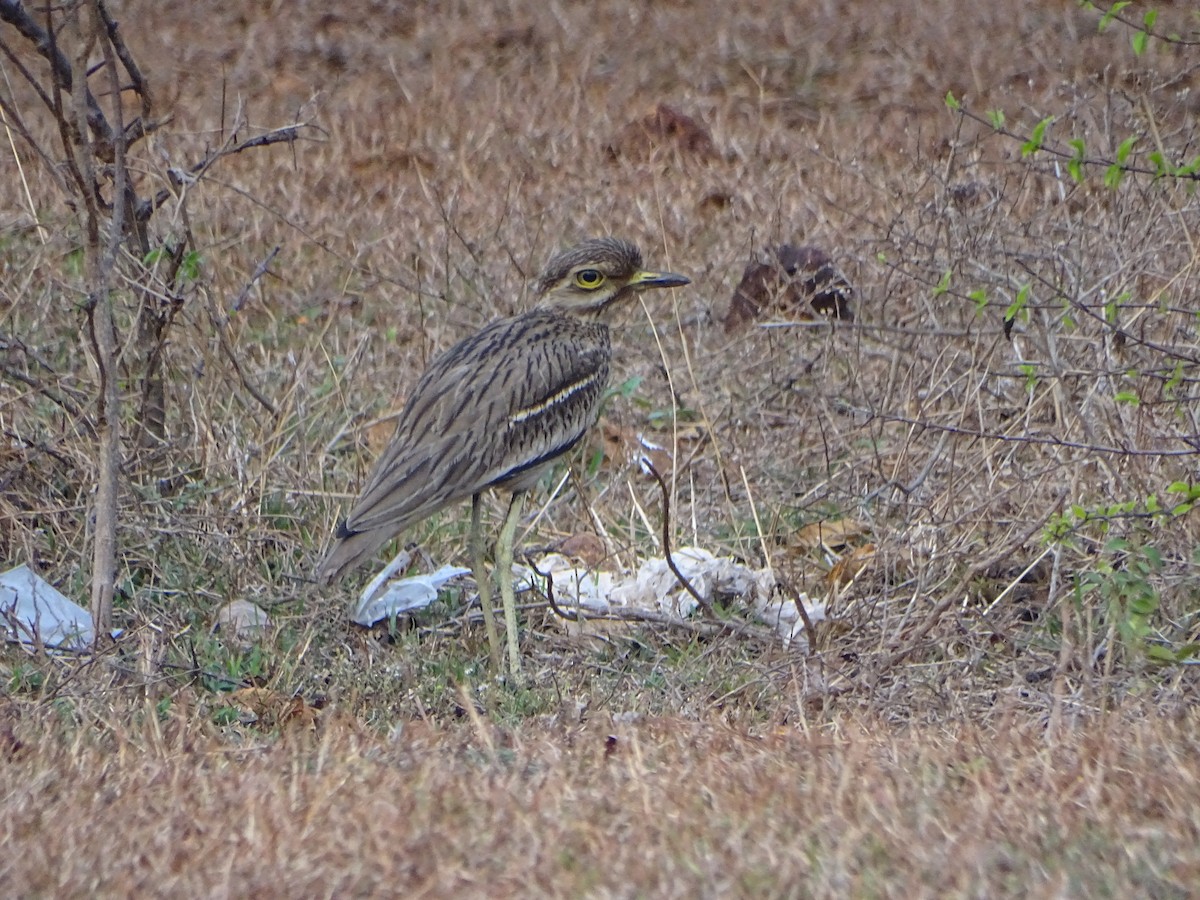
(554, 399)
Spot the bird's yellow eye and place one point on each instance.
(589, 279)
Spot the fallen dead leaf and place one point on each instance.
(794, 282)
(664, 128)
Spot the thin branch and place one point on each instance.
(140, 86)
(102, 259)
(240, 301)
(1107, 13)
(220, 324)
(287, 135)
(558, 610)
(1097, 161)
(14, 13)
(729, 625)
(68, 406)
(1193, 440)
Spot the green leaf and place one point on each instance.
(1138, 39)
(1159, 653)
(1113, 10)
(1175, 380)
(951, 102)
(1029, 370)
(1075, 164)
(628, 387)
(189, 268)
(1187, 651)
(996, 117)
(1017, 307)
(1143, 606)
(979, 297)
(1125, 148)
(1036, 137)
(1112, 176)
(943, 284)
(1127, 397)
(1149, 19)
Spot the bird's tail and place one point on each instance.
(351, 549)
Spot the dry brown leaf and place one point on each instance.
(851, 565)
(626, 445)
(829, 537)
(271, 708)
(665, 128)
(585, 547)
(794, 282)
(379, 433)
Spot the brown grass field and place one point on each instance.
(988, 476)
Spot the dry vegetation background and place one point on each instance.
(1001, 700)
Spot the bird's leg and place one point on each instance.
(484, 583)
(504, 564)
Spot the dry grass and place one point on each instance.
(954, 730)
(654, 807)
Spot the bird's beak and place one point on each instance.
(657, 280)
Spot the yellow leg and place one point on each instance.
(504, 563)
(483, 582)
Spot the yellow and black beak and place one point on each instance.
(643, 280)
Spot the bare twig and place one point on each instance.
(558, 610)
(729, 625)
(260, 270)
(140, 86)
(58, 399)
(221, 327)
(287, 135)
(1192, 440)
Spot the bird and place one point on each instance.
(791, 279)
(494, 411)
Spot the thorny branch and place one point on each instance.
(287, 135)
(14, 13)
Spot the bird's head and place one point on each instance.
(589, 279)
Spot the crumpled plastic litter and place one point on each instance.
(33, 611)
(402, 596)
(654, 588)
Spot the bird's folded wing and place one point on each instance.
(499, 403)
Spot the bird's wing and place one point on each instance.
(494, 406)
